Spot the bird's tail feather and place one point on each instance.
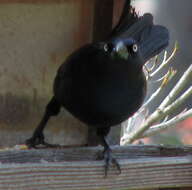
(154, 42)
(151, 38)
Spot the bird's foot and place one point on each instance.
(109, 160)
(37, 141)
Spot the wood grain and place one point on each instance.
(143, 167)
(103, 19)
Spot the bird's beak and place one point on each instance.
(122, 50)
(119, 47)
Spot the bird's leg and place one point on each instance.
(107, 153)
(52, 109)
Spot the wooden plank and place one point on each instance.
(47, 34)
(89, 153)
(118, 6)
(143, 167)
(103, 19)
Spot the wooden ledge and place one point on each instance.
(143, 167)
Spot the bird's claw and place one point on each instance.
(38, 140)
(108, 158)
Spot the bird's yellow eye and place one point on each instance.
(105, 47)
(135, 48)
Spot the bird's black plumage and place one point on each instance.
(102, 83)
(95, 85)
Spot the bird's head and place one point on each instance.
(120, 48)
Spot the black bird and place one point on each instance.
(102, 83)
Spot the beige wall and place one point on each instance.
(34, 41)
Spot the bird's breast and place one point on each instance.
(99, 90)
(105, 100)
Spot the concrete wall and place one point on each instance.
(34, 40)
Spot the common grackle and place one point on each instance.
(102, 83)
